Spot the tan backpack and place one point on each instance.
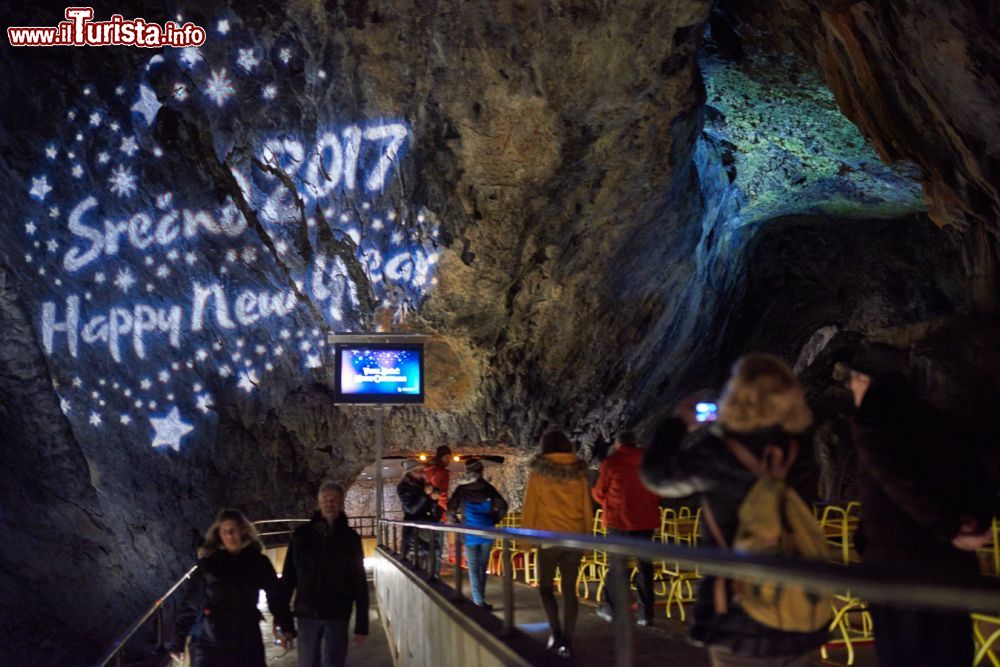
(773, 519)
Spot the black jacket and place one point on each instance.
(220, 612)
(325, 567)
(917, 476)
(682, 464)
(417, 505)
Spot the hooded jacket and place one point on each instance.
(683, 464)
(220, 612)
(481, 506)
(325, 566)
(917, 476)
(628, 505)
(557, 496)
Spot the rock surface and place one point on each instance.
(588, 212)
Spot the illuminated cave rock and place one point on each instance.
(590, 213)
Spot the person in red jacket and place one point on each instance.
(436, 473)
(632, 510)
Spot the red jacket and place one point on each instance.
(628, 505)
(440, 477)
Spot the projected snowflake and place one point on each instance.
(155, 304)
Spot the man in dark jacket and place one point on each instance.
(420, 503)
(632, 510)
(325, 567)
(926, 506)
(481, 506)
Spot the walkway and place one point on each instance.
(594, 642)
(373, 653)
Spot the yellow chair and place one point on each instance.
(981, 625)
(674, 583)
(839, 523)
(853, 621)
(668, 526)
(989, 555)
(688, 526)
(594, 564)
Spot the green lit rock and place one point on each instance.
(789, 150)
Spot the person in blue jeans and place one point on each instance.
(479, 505)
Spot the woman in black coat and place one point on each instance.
(763, 405)
(219, 610)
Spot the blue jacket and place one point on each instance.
(480, 505)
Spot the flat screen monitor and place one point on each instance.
(379, 373)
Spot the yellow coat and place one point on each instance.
(557, 496)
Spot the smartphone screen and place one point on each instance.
(706, 412)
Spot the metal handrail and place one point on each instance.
(824, 577)
(157, 607)
(889, 588)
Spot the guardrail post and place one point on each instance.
(431, 554)
(508, 590)
(458, 567)
(118, 659)
(623, 612)
(159, 628)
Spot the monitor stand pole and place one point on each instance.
(379, 410)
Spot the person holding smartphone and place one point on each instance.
(763, 409)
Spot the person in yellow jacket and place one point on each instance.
(557, 498)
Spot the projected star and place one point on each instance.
(125, 419)
(222, 27)
(128, 146)
(248, 380)
(40, 188)
(51, 152)
(95, 419)
(191, 56)
(269, 92)
(169, 429)
(124, 280)
(103, 157)
(219, 88)
(204, 403)
(64, 406)
(77, 171)
(122, 181)
(95, 119)
(284, 55)
(312, 361)
(147, 105)
(30, 228)
(247, 60)
(52, 245)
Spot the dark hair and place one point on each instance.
(556, 441)
(442, 450)
(628, 439)
(331, 485)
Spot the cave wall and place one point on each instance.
(591, 207)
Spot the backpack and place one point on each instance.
(773, 519)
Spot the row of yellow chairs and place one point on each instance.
(852, 621)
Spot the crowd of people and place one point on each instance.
(927, 506)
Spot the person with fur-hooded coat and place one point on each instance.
(763, 405)
(219, 610)
(557, 498)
